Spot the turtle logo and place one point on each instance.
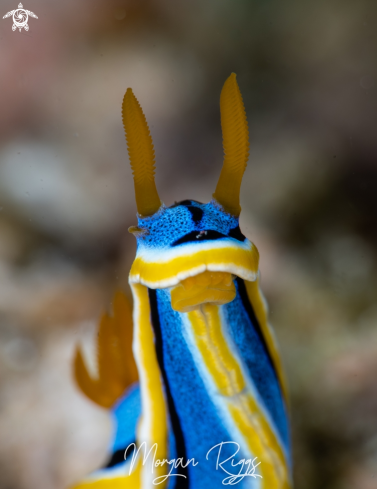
(20, 18)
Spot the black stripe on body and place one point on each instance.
(181, 482)
(254, 321)
(196, 236)
(118, 456)
(196, 213)
(236, 234)
(210, 235)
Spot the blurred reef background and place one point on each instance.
(308, 74)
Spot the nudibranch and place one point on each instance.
(209, 378)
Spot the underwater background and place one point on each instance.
(308, 74)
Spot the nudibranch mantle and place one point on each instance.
(188, 238)
(215, 358)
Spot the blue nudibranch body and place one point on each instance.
(210, 376)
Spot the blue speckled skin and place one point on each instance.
(172, 223)
(244, 331)
(195, 423)
(200, 421)
(126, 413)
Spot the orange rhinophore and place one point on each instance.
(115, 362)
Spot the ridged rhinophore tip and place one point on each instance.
(236, 146)
(141, 154)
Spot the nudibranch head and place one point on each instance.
(194, 248)
(184, 222)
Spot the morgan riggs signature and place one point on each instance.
(243, 468)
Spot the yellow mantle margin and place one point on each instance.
(155, 273)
